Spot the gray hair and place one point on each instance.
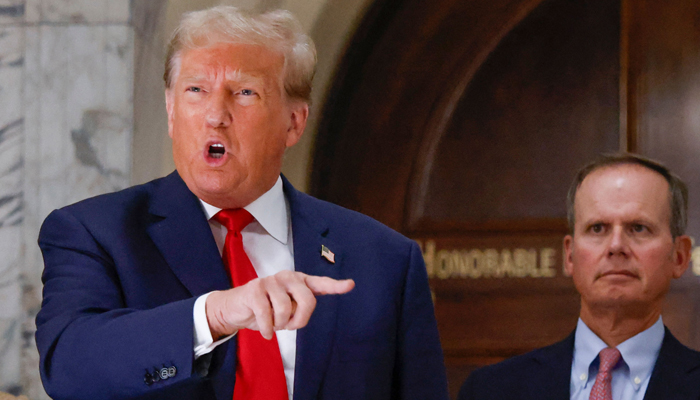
(678, 190)
(276, 30)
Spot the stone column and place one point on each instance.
(66, 110)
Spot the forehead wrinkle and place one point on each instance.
(193, 76)
(229, 76)
(238, 76)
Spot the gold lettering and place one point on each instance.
(497, 263)
(489, 266)
(509, 266)
(429, 257)
(456, 263)
(462, 263)
(695, 256)
(444, 264)
(472, 261)
(547, 262)
(526, 261)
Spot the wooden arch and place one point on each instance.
(461, 123)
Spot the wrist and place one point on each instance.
(214, 312)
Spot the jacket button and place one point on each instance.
(164, 373)
(156, 375)
(172, 371)
(148, 378)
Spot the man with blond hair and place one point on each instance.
(220, 280)
(627, 218)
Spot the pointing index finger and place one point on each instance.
(321, 285)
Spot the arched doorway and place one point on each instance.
(461, 125)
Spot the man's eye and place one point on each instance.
(639, 228)
(597, 228)
(247, 92)
(194, 89)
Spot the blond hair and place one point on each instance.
(276, 30)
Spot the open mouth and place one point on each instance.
(216, 150)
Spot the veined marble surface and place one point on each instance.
(81, 84)
(66, 111)
(11, 11)
(78, 11)
(11, 206)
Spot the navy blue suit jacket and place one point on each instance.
(546, 374)
(122, 272)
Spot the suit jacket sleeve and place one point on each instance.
(420, 366)
(89, 339)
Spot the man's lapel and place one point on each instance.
(182, 234)
(553, 380)
(315, 341)
(676, 374)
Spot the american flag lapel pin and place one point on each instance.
(327, 254)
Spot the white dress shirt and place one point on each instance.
(631, 377)
(268, 243)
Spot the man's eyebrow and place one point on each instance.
(594, 221)
(242, 77)
(236, 75)
(643, 221)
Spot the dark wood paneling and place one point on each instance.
(415, 68)
(664, 88)
(664, 82)
(461, 123)
(544, 103)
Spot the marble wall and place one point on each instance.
(12, 211)
(66, 122)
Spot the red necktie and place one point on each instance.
(259, 371)
(602, 388)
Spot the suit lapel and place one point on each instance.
(183, 237)
(553, 381)
(676, 374)
(315, 341)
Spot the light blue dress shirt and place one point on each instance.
(631, 376)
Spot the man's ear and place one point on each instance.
(568, 254)
(682, 248)
(299, 113)
(169, 110)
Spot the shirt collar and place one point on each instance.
(638, 352)
(641, 351)
(270, 210)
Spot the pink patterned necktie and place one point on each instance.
(602, 388)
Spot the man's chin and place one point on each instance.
(216, 189)
(617, 300)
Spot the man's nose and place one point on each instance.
(218, 113)
(619, 242)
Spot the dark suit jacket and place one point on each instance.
(546, 374)
(122, 272)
